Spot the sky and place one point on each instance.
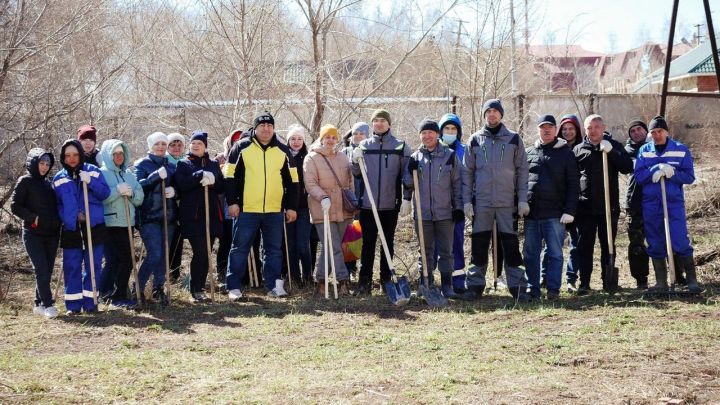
(616, 25)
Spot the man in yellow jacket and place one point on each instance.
(261, 182)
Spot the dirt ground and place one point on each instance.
(304, 349)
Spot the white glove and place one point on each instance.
(209, 177)
(605, 146)
(657, 174)
(669, 170)
(523, 209)
(566, 219)
(124, 189)
(162, 173)
(405, 208)
(85, 177)
(325, 204)
(469, 211)
(169, 192)
(357, 154)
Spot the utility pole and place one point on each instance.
(527, 30)
(512, 49)
(454, 62)
(696, 40)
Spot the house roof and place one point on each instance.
(698, 61)
(561, 51)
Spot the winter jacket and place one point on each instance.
(357, 181)
(146, 172)
(634, 194)
(320, 183)
(69, 191)
(440, 182)
(33, 198)
(675, 154)
(261, 178)
(589, 161)
(92, 158)
(495, 170)
(298, 160)
(114, 205)
(172, 160)
(386, 160)
(553, 183)
(192, 204)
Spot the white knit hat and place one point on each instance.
(156, 137)
(175, 136)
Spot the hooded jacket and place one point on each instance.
(146, 172)
(457, 145)
(590, 165)
(440, 182)
(192, 204)
(386, 160)
(114, 205)
(69, 191)
(495, 170)
(553, 183)
(573, 119)
(33, 197)
(320, 183)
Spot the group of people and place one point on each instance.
(268, 191)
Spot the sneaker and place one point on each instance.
(472, 293)
(583, 290)
(501, 284)
(160, 296)
(197, 298)
(448, 292)
(51, 312)
(572, 286)
(234, 295)
(39, 309)
(642, 285)
(343, 288)
(71, 312)
(279, 290)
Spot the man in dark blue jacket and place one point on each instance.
(552, 195)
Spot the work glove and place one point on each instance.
(469, 211)
(412, 165)
(85, 176)
(566, 219)
(208, 179)
(162, 173)
(357, 155)
(325, 204)
(458, 216)
(169, 192)
(657, 174)
(669, 170)
(124, 189)
(405, 208)
(523, 209)
(605, 146)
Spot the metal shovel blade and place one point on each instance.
(398, 292)
(432, 296)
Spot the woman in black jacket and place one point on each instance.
(193, 174)
(33, 201)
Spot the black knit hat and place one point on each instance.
(636, 122)
(658, 122)
(432, 125)
(200, 135)
(493, 103)
(263, 118)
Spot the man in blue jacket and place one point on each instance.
(74, 240)
(668, 159)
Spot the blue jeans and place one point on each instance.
(154, 263)
(571, 270)
(552, 232)
(244, 230)
(299, 245)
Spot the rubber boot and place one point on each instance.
(660, 266)
(689, 265)
(446, 285)
(679, 271)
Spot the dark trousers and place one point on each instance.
(590, 226)
(388, 220)
(42, 251)
(176, 251)
(224, 249)
(118, 264)
(200, 263)
(637, 251)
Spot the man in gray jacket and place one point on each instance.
(495, 185)
(440, 191)
(386, 159)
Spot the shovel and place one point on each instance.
(88, 228)
(132, 252)
(329, 257)
(432, 296)
(165, 241)
(398, 288)
(611, 275)
(287, 255)
(211, 270)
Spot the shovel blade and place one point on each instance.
(398, 292)
(432, 296)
